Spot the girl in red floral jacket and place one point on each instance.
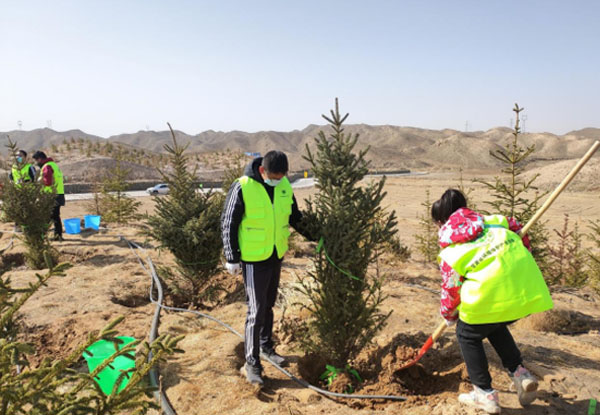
(486, 251)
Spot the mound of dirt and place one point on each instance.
(560, 321)
(434, 378)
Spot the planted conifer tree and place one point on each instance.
(112, 202)
(427, 238)
(566, 259)
(234, 169)
(593, 254)
(30, 208)
(187, 223)
(518, 197)
(344, 298)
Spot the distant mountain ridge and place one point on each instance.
(391, 146)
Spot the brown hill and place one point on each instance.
(552, 174)
(91, 170)
(43, 138)
(587, 133)
(391, 146)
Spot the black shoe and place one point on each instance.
(274, 357)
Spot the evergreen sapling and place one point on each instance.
(186, 222)
(344, 299)
(113, 203)
(427, 238)
(512, 193)
(30, 208)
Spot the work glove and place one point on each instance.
(233, 269)
(450, 323)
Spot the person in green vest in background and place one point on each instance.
(259, 209)
(22, 171)
(490, 280)
(52, 179)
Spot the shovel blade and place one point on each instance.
(421, 353)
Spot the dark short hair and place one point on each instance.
(23, 152)
(450, 202)
(275, 162)
(39, 155)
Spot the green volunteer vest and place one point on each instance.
(59, 184)
(264, 224)
(21, 175)
(502, 281)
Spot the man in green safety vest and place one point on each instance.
(259, 209)
(52, 179)
(22, 172)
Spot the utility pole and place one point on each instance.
(511, 123)
(49, 124)
(20, 124)
(467, 126)
(524, 118)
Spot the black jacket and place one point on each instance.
(234, 210)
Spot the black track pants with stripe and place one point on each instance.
(261, 280)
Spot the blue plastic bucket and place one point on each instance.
(91, 222)
(72, 225)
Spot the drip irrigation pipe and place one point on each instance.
(154, 329)
(10, 243)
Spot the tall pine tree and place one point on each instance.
(344, 298)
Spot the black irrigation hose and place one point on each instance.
(159, 395)
(154, 329)
(10, 243)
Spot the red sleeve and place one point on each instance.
(48, 176)
(515, 226)
(450, 298)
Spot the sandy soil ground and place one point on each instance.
(562, 347)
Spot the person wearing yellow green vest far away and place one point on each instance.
(22, 171)
(489, 280)
(52, 179)
(259, 209)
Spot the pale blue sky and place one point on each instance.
(111, 67)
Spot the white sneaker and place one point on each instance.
(478, 398)
(526, 385)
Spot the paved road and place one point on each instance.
(298, 184)
(86, 196)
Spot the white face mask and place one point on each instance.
(272, 182)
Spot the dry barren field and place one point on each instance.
(561, 347)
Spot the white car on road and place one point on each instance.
(159, 189)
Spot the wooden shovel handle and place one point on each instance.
(438, 331)
(560, 188)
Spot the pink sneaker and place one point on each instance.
(526, 385)
(478, 398)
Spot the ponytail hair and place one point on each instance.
(450, 202)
